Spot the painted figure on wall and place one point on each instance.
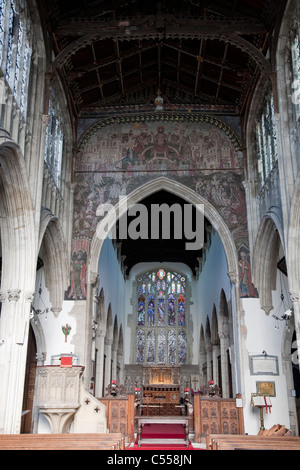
(117, 159)
(246, 287)
(78, 272)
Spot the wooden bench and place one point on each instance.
(245, 442)
(81, 441)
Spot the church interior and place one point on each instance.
(149, 217)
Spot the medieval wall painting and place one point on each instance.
(117, 159)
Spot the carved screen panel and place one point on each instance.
(219, 416)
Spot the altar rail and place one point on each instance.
(215, 415)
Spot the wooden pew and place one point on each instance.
(77, 441)
(245, 442)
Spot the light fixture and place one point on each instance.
(282, 313)
(38, 307)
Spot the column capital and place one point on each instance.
(233, 276)
(295, 296)
(13, 295)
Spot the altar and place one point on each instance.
(161, 392)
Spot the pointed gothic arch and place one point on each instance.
(100, 314)
(55, 258)
(214, 326)
(108, 223)
(265, 258)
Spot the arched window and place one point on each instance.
(16, 49)
(161, 322)
(54, 139)
(295, 59)
(267, 153)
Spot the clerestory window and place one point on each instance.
(16, 49)
(54, 140)
(267, 153)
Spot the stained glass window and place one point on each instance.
(16, 49)
(161, 318)
(140, 346)
(266, 139)
(295, 56)
(54, 140)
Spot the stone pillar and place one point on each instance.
(208, 363)
(114, 362)
(215, 371)
(295, 297)
(224, 367)
(15, 317)
(100, 335)
(107, 349)
(236, 333)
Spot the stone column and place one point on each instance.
(208, 363)
(15, 317)
(107, 349)
(100, 335)
(114, 362)
(215, 354)
(295, 297)
(236, 333)
(224, 366)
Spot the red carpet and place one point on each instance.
(162, 431)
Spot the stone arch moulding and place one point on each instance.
(161, 117)
(265, 258)
(18, 232)
(56, 262)
(293, 252)
(107, 223)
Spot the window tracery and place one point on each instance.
(295, 65)
(267, 152)
(54, 139)
(16, 49)
(161, 319)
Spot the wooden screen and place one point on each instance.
(216, 416)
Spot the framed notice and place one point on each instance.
(262, 364)
(266, 388)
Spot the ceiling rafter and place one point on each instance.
(209, 52)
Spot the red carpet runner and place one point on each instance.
(162, 431)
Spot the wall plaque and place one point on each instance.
(262, 364)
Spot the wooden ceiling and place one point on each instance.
(199, 53)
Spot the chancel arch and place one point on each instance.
(107, 224)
